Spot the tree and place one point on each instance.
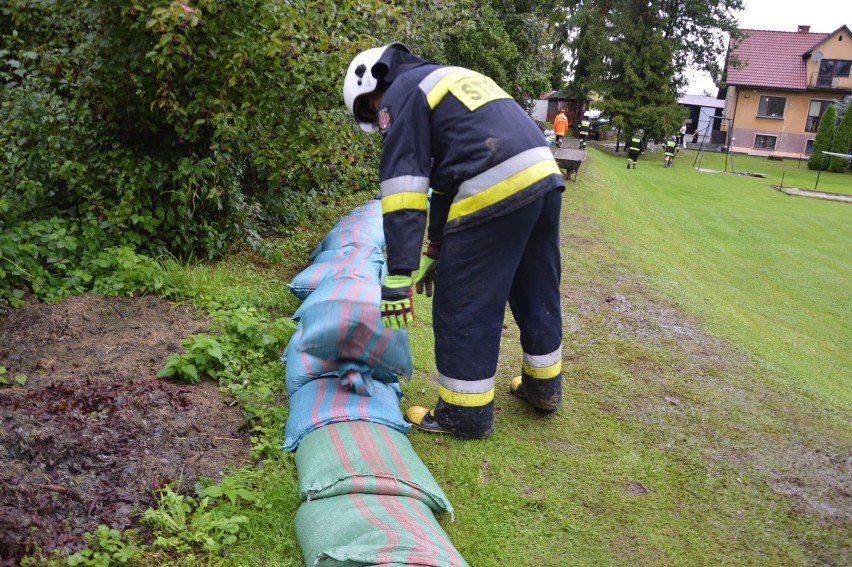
(504, 39)
(842, 142)
(635, 54)
(640, 84)
(822, 142)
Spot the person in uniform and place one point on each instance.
(634, 149)
(671, 150)
(493, 228)
(585, 128)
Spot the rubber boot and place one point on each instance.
(546, 401)
(424, 418)
(462, 422)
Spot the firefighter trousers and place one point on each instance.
(512, 259)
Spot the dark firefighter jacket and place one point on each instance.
(456, 131)
(635, 144)
(671, 147)
(584, 127)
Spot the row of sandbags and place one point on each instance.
(368, 499)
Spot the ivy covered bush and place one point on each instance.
(178, 126)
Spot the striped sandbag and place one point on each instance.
(350, 330)
(356, 530)
(301, 367)
(324, 401)
(359, 457)
(345, 289)
(372, 207)
(366, 263)
(361, 227)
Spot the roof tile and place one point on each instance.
(772, 59)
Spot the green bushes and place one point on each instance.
(842, 142)
(54, 258)
(174, 127)
(184, 127)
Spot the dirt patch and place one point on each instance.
(815, 194)
(93, 431)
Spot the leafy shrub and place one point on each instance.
(842, 142)
(54, 258)
(182, 126)
(185, 525)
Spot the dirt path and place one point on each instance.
(93, 431)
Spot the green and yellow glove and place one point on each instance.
(397, 307)
(425, 276)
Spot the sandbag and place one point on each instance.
(365, 263)
(359, 457)
(323, 401)
(349, 330)
(356, 530)
(361, 227)
(301, 367)
(346, 289)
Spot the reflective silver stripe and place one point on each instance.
(432, 79)
(404, 184)
(501, 171)
(466, 386)
(543, 360)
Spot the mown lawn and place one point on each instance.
(787, 172)
(769, 271)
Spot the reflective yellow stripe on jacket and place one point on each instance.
(502, 181)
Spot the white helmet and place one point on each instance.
(361, 80)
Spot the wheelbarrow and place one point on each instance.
(569, 160)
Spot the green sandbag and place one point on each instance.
(361, 457)
(355, 530)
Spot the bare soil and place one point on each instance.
(92, 433)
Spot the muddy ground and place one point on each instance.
(93, 432)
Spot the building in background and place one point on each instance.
(705, 119)
(552, 103)
(778, 86)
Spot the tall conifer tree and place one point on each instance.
(822, 142)
(842, 142)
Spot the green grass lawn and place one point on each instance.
(769, 271)
(788, 172)
(707, 398)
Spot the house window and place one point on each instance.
(771, 106)
(815, 110)
(831, 68)
(809, 146)
(764, 142)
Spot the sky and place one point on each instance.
(782, 15)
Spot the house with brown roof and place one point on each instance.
(779, 84)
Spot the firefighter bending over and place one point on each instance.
(493, 228)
